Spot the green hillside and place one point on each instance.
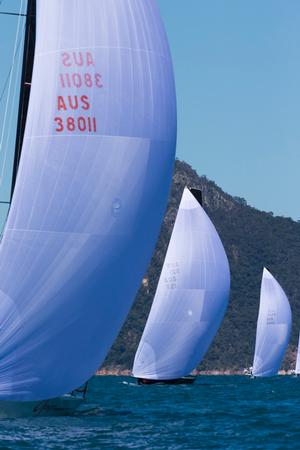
(251, 239)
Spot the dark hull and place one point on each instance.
(183, 380)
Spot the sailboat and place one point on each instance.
(297, 368)
(93, 164)
(190, 300)
(273, 327)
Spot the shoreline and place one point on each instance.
(127, 373)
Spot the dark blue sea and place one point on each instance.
(218, 412)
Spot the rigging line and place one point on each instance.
(8, 13)
(10, 70)
(12, 14)
(10, 81)
(19, 60)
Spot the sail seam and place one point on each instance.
(104, 47)
(141, 138)
(22, 230)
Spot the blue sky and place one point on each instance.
(237, 67)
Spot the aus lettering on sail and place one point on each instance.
(77, 78)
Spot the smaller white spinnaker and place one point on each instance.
(190, 300)
(273, 327)
(297, 369)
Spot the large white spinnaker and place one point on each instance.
(190, 300)
(297, 369)
(90, 193)
(273, 327)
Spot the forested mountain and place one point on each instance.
(252, 239)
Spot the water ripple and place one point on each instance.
(215, 413)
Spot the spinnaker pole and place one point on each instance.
(27, 67)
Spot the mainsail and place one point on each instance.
(273, 327)
(90, 192)
(190, 300)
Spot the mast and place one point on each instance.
(27, 67)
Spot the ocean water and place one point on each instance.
(217, 412)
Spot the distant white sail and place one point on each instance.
(273, 327)
(190, 300)
(297, 369)
(91, 190)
